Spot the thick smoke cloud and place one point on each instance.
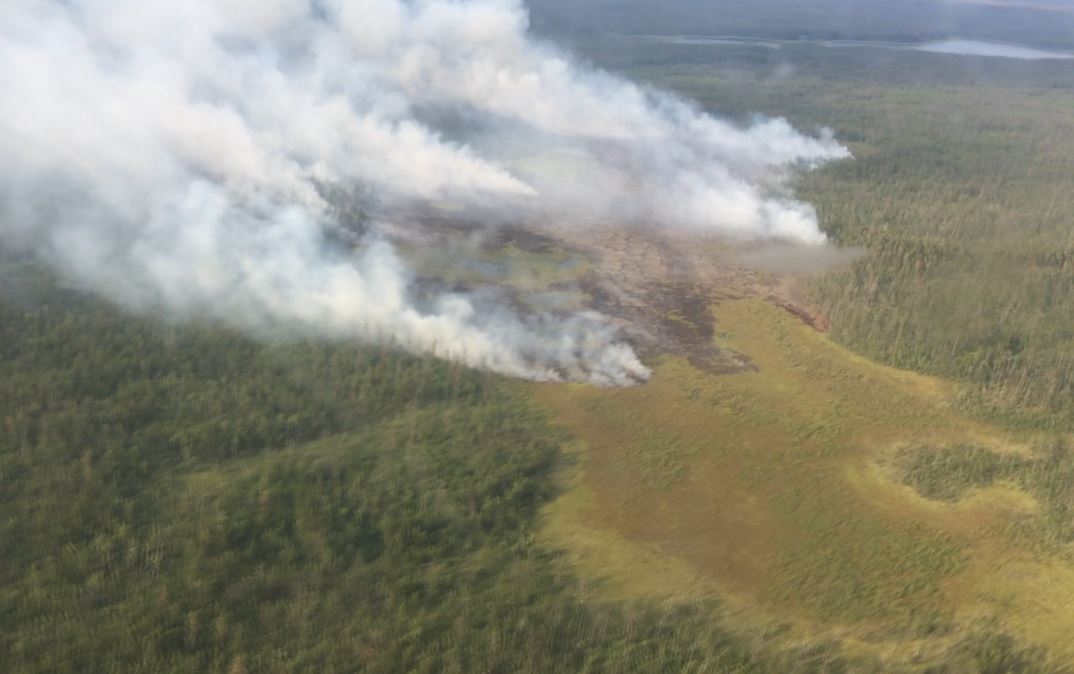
(169, 155)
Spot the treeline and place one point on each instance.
(948, 473)
(183, 499)
(969, 233)
(961, 192)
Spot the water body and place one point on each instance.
(956, 46)
(1000, 49)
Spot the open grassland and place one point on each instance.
(768, 488)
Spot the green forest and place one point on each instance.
(183, 499)
(1037, 23)
(179, 497)
(959, 193)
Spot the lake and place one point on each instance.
(955, 46)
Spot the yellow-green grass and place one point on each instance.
(767, 489)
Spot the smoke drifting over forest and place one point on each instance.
(170, 156)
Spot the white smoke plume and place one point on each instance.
(168, 155)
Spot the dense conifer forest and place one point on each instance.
(179, 497)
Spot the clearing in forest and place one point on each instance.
(779, 489)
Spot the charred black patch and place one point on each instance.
(668, 318)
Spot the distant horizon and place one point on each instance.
(952, 45)
(1047, 25)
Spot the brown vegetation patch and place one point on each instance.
(660, 287)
